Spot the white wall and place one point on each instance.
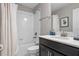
(45, 26)
(25, 31)
(45, 23)
(37, 24)
(45, 11)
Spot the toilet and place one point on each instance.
(33, 50)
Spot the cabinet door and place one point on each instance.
(57, 54)
(43, 51)
(50, 52)
(53, 53)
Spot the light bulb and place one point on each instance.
(25, 19)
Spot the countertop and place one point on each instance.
(64, 40)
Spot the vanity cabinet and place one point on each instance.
(45, 51)
(52, 48)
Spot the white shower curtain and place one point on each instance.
(8, 28)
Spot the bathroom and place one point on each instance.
(37, 20)
(37, 27)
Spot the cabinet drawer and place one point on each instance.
(62, 48)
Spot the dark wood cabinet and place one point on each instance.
(45, 51)
(52, 48)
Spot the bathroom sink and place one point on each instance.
(60, 37)
(57, 37)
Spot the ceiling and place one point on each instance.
(30, 5)
(54, 6)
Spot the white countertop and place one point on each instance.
(65, 40)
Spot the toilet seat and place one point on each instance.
(33, 50)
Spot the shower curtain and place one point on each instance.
(8, 28)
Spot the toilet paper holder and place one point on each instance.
(1, 47)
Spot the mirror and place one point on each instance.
(65, 13)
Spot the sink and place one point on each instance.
(62, 37)
(59, 37)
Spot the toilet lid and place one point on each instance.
(33, 48)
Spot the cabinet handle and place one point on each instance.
(48, 53)
(52, 54)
